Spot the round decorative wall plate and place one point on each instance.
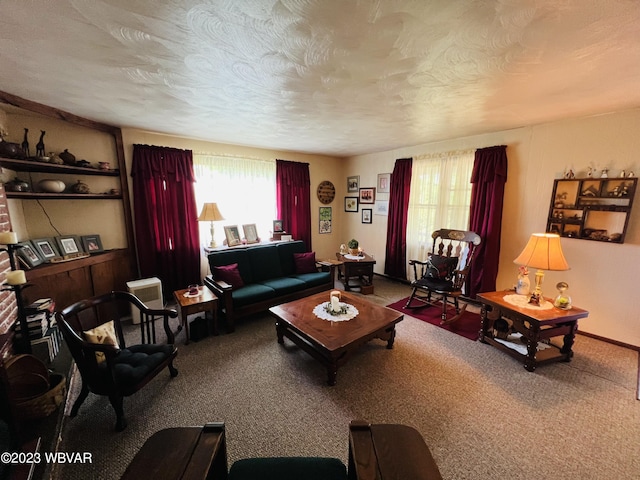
(326, 192)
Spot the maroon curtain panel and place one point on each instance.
(395, 263)
(293, 189)
(487, 198)
(166, 222)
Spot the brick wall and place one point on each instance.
(8, 307)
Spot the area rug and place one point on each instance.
(467, 326)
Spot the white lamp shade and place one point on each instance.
(544, 252)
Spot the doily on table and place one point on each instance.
(320, 312)
(353, 257)
(522, 301)
(189, 295)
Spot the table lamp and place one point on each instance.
(543, 252)
(210, 213)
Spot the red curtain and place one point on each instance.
(395, 264)
(293, 191)
(487, 197)
(166, 222)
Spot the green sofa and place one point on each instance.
(251, 279)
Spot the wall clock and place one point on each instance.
(326, 192)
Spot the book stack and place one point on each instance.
(44, 335)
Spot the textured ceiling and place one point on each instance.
(338, 77)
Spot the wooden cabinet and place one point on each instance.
(70, 281)
(592, 208)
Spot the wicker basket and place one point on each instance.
(45, 404)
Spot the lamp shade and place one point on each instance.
(544, 252)
(210, 213)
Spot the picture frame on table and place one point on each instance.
(384, 182)
(350, 204)
(353, 184)
(28, 255)
(46, 248)
(92, 243)
(69, 245)
(278, 226)
(251, 233)
(232, 234)
(367, 195)
(367, 214)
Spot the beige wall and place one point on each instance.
(320, 168)
(603, 277)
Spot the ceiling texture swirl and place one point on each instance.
(335, 77)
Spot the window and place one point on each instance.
(440, 198)
(243, 188)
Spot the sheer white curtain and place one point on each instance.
(440, 198)
(243, 188)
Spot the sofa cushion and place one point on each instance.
(265, 262)
(288, 468)
(229, 274)
(286, 251)
(313, 279)
(439, 266)
(305, 262)
(233, 255)
(285, 285)
(251, 293)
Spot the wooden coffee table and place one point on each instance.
(332, 343)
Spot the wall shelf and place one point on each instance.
(36, 166)
(62, 196)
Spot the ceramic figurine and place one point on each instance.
(605, 173)
(40, 145)
(25, 144)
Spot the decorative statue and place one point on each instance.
(25, 144)
(40, 145)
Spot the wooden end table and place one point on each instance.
(333, 343)
(207, 301)
(534, 324)
(361, 267)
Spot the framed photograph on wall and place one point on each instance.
(367, 215)
(233, 235)
(325, 219)
(28, 255)
(367, 195)
(384, 182)
(353, 184)
(92, 243)
(350, 204)
(46, 248)
(382, 208)
(69, 244)
(250, 233)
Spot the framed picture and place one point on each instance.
(69, 244)
(92, 244)
(46, 248)
(368, 195)
(367, 215)
(325, 219)
(28, 255)
(384, 182)
(277, 226)
(250, 233)
(353, 184)
(350, 204)
(233, 235)
(382, 207)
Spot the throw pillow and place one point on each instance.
(230, 274)
(441, 267)
(305, 262)
(104, 334)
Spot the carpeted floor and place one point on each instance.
(481, 413)
(468, 325)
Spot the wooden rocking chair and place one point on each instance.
(444, 272)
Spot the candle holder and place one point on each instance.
(22, 315)
(11, 249)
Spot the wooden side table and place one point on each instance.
(361, 267)
(534, 324)
(205, 302)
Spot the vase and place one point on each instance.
(524, 285)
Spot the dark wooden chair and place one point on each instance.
(439, 279)
(116, 371)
